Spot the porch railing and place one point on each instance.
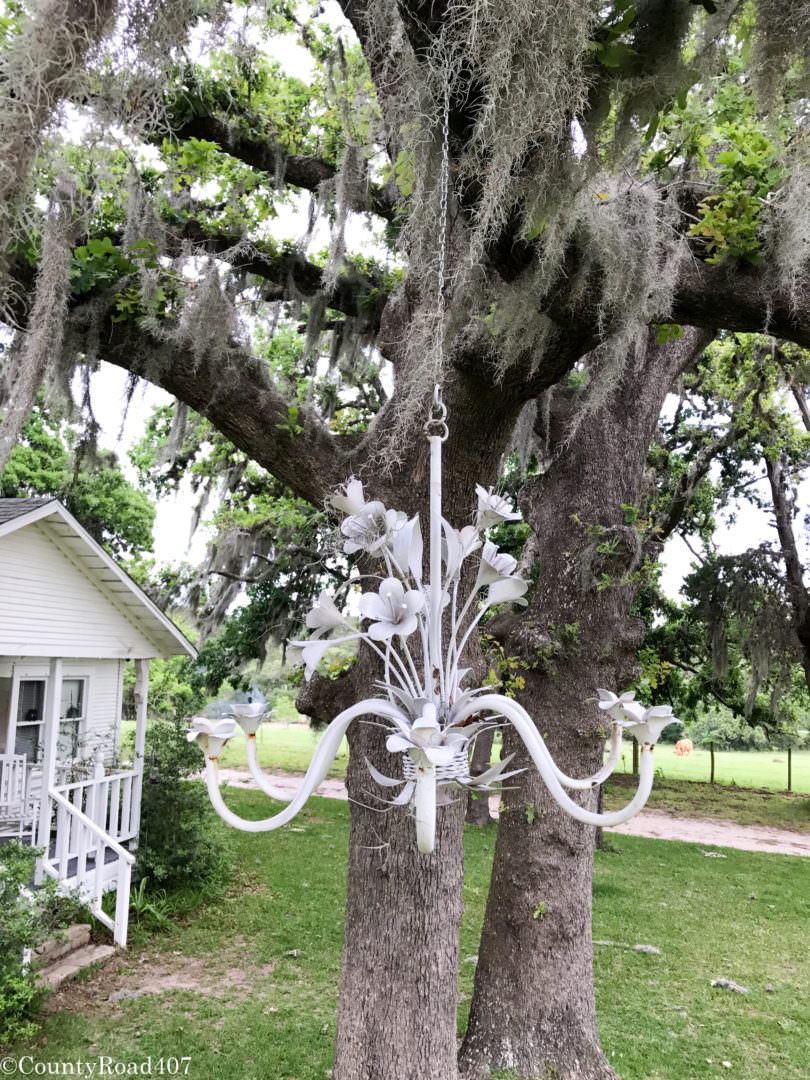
(107, 801)
(86, 858)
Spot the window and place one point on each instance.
(30, 719)
(30, 725)
(71, 714)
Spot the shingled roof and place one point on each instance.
(14, 508)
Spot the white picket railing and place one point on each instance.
(87, 857)
(107, 801)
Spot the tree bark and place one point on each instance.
(533, 1008)
(478, 808)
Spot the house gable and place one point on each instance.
(62, 595)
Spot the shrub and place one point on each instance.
(27, 918)
(182, 842)
(726, 731)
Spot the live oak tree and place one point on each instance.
(626, 181)
(51, 458)
(738, 432)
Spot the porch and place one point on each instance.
(84, 817)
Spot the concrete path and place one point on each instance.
(714, 832)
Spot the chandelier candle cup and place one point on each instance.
(432, 717)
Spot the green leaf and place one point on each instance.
(615, 55)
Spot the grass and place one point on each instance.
(256, 971)
(689, 798)
(744, 768)
(286, 748)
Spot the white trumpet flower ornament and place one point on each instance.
(420, 629)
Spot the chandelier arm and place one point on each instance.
(402, 675)
(539, 753)
(410, 660)
(258, 774)
(587, 782)
(425, 635)
(323, 757)
(584, 783)
(454, 650)
(460, 650)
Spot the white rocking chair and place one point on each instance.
(16, 811)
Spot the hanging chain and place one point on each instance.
(437, 414)
(436, 423)
(444, 187)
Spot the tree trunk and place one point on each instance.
(533, 1008)
(478, 808)
(399, 976)
(599, 840)
(790, 768)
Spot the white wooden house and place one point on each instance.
(70, 618)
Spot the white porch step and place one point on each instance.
(69, 966)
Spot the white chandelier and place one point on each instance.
(432, 719)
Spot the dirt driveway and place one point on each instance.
(714, 832)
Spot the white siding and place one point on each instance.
(50, 607)
(100, 726)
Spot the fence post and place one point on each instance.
(711, 773)
(790, 768)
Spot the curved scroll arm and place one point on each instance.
(588, 782)
(316, 773)
(539, 753)
(279, 794)
(584, 783)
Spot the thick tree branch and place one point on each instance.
(800, 397)
(739, 298)
(299, 170)
(288, 274)
(235, 394)
(688, 482)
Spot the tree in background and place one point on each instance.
(628, 180)
(739, 639)
(51, 458)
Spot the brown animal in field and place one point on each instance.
(683, 747)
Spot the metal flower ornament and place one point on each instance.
(419, 629)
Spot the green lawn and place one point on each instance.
(256, 972)
(746, 768)
(286, 748)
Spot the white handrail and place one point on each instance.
(88, 823)
(92, 781)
